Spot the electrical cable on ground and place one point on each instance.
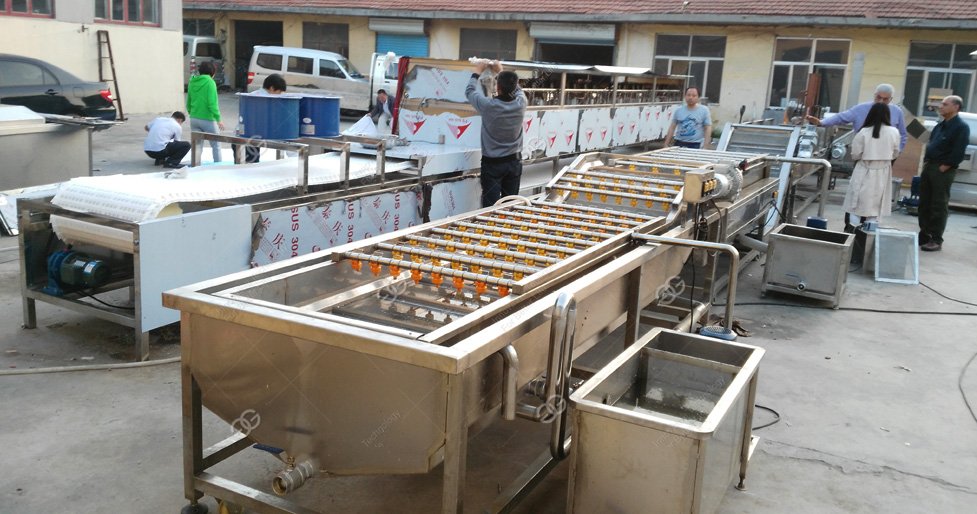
(963, 371)
(92, 367)
(768, 409)
(948, 297)
(960, 386)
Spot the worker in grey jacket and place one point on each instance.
(502, 118)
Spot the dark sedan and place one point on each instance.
(45, 88)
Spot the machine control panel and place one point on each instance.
(700, 185)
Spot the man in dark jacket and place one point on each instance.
(383, 105)
(944, 152)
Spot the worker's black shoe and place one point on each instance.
(931, 246)
(174, 166)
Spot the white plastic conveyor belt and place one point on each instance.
(142, 197)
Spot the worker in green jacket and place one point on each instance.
(205, 114)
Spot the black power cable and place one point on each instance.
(963, 371)
(106, 303)
(948, 297)
(768, 409)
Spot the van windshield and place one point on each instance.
(353, 72)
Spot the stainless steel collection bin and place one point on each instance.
(665, 427)
(808, 262)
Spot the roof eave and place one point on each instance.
(665, 19)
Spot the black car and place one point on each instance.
(45, 88)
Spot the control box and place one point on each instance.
(700, 185)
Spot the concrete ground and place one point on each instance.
(872, 402)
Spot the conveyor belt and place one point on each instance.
(142, 197)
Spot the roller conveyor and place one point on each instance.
(488, 255)
(478, 259)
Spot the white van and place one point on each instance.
(197, 49)
(320, 72)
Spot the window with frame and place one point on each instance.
(138, 12)
(300, 65)
(329, 68)
(935, 70)
(795, 59)
(701, 57)
(269, 61)
(330, 37)
(488, 44)
(19, 74)
(193, 27)
(27, 7)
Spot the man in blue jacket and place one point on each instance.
(944, 152)
(502, 118)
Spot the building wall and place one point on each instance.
(748, 61)
(445, 36)
(70, 42)
(750, 53)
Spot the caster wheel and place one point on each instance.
(197, 508)
(226, 507)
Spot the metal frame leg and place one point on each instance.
(30, 313)
(192, 424)
(142, 345)
(455, 448)
(747, 432)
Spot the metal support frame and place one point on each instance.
(302, 149)
(197, 460)
(825, 166)
(72, 301)
(747, 450)
(734, 264)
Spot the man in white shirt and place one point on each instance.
(163, 142)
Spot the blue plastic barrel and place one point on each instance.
(319, 116)
(269, 117)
